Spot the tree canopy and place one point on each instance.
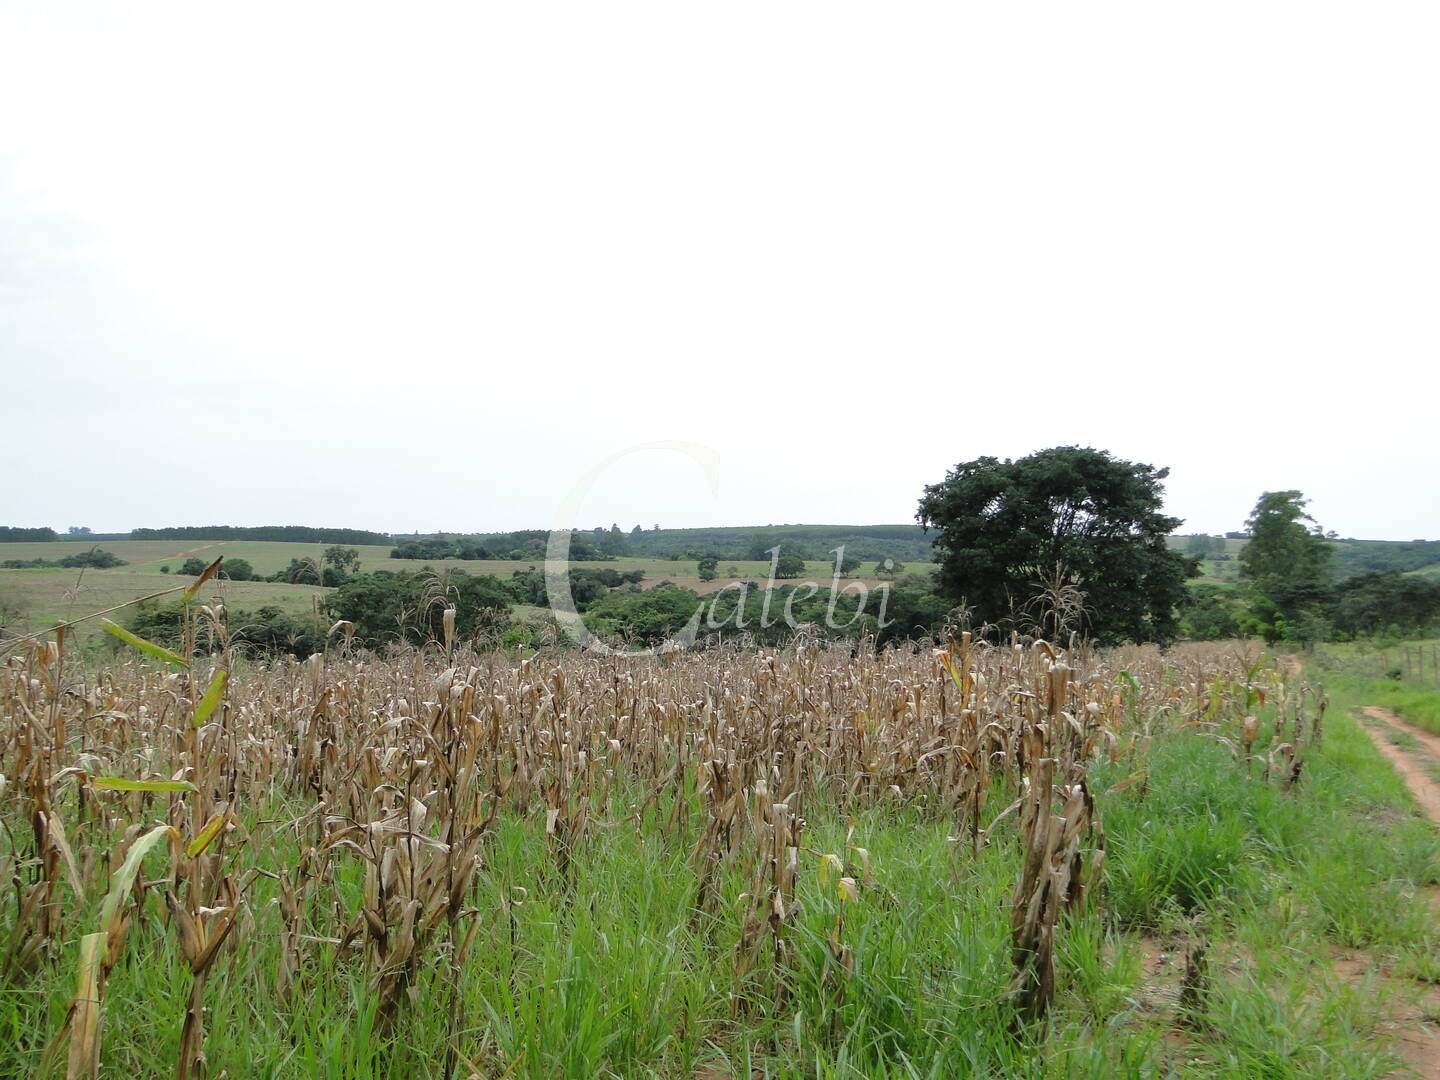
(1065, 527)
(1287, 567)
(1281, 548)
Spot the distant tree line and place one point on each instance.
(1367, 605)
(288, 533)
(437, 548)
(1348, 557)
(9, 534)
(1352, 557)
(94, 560)
(526, 544)
(809, 542)
(334, 567)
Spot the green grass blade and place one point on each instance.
(124, 877)
(204, 837)
(147, 647)
(211, 699)
(119, 783)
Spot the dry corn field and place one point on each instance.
(815, 861)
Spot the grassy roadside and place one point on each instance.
(1351, 673)
(1418, 704)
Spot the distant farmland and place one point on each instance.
(42, 597)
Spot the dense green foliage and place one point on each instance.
(1392, 603)
(645, 617)
(97, 559)
(440, 548)
(750, 612)
(810, 542)
(1016, 538)
(1348, 557)
(1290, 592)
(1286, 562)
(344, 560)
(293, 533)
(1212, 613)
(528, 544)
(410, 607)
(1353, 557)
(11, 534)
(265, 632)
(586, 585)
(304, 571)
(1389, 604)
(238, 570)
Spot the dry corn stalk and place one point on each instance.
(405, 767)
(1053, 877)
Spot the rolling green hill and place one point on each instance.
(1349, 557)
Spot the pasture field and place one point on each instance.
(42, 597)
(989, 861)
(147, 556)
(138, 553)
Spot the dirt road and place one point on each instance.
(1417, 759)
(1419, 766)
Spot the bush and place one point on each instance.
(409, 607)
(238, 570)
(300, 572)
(647, 618)
(266, 632)
(95, 560)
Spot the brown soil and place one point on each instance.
(1410, 765)
(1417, 1035)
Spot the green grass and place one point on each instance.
(606, 972)
(1420, 705)
(45, 597)
(1397, 675)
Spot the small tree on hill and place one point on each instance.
(237, 570)
(789, 566)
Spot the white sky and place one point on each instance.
(423, 266)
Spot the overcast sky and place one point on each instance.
(426, 266)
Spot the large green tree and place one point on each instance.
(1069, 529)
(346, 560)
(1287, 567)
